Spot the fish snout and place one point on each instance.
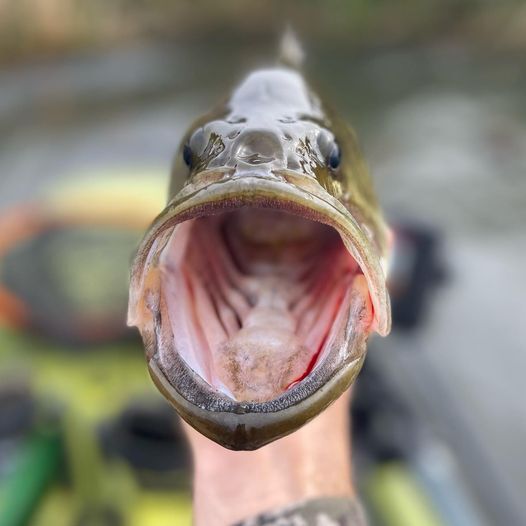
(255, 147)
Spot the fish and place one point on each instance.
(257, 287)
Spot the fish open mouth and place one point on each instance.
(256, 297)
(254, 307)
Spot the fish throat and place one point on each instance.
(254, 299)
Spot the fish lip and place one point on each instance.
(250, 425)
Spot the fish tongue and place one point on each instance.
(265, 356)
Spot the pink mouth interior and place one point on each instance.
(255, 298)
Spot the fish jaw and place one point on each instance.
(241, 427)
(231, 421)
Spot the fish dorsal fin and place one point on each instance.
(291, 53)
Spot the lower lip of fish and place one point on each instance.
(254, 299)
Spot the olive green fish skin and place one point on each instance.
(269, 145)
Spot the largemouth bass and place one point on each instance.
(256, 288)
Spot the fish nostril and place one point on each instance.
(259, 146)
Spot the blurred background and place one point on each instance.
(94, 98)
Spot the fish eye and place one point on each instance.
(335, 157)
(329, 150)
(194, 147)
(187, 155)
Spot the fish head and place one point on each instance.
(257, 287)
